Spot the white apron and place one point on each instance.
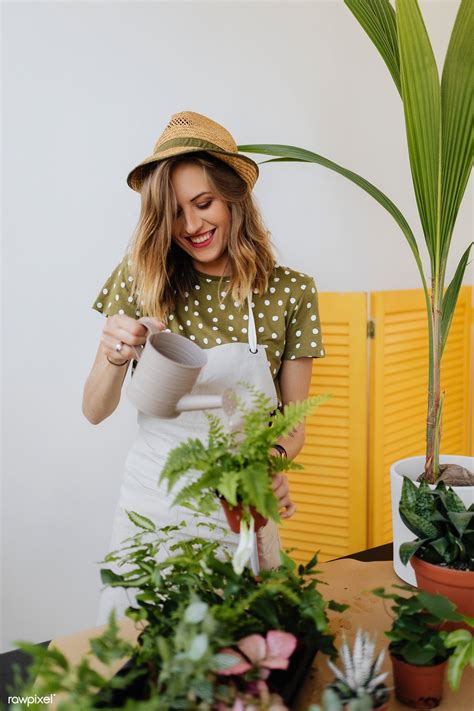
(227, 364)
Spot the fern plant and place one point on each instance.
(236, 463)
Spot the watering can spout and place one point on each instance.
(208, 402)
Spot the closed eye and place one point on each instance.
(203, 206)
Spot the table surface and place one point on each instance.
(22, 660)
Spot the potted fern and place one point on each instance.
(437, 117)
(235, 467)
(442, 555)
(417, 645)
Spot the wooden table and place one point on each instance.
(349, 581)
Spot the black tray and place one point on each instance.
(287, 682)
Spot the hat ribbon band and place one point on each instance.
(195, 142)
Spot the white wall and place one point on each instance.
(88, 88)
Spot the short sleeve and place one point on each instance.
(303, 333)
(115, 295)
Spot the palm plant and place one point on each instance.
(438, 118)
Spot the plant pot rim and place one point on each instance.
(415, 560)
(393, 657)
(441, 456)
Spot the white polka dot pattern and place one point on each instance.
(287, 316)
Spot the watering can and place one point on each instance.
(168, 367)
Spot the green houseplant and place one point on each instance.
(417, 648)
(194, 614)
(437, 118)
(442, 555)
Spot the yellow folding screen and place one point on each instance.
(331, 491)
(376, 415)
(398, 392)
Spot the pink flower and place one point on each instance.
(272, 652)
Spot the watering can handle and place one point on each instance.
(150, 324)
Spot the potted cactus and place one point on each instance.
(442, 555)
(437, 118)
(361, 677)
(417, 650)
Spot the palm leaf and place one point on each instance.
(293, 153)
(422, 106)
(456, 120)
(377, 18)
(451, 296)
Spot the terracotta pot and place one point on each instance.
(456, 585)
(234, 515)
(418, 687)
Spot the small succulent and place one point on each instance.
(361, 677)
(332, 702)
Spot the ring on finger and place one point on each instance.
(118, 346)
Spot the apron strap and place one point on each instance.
(252, 332)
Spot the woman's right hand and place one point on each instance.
(127, 330)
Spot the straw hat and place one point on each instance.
(189, 132)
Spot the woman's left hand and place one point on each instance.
(282, 492)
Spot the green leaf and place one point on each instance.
(443, 547)
(409, 494)
(460, 521)
(418, 525)
(457, 637)
(456, 123)
(439, 606)
(377, 18)
(425, 503)
(407, 550)
(451, 501)
(457, 662)
(141, 521)
(228, 486)
(414, 654)
(255, 485)
(108, 577)
(451, 296)
(293, 153)
(422, 106)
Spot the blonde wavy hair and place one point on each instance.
(162, 272)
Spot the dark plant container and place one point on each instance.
(456, 585)
(116, 698)
(287, 682)
(418, 687)
(234, 515)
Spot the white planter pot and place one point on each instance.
(412, 467)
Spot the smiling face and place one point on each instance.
(202, 224)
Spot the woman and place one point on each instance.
(200, 263)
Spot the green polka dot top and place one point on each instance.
(286, 317)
